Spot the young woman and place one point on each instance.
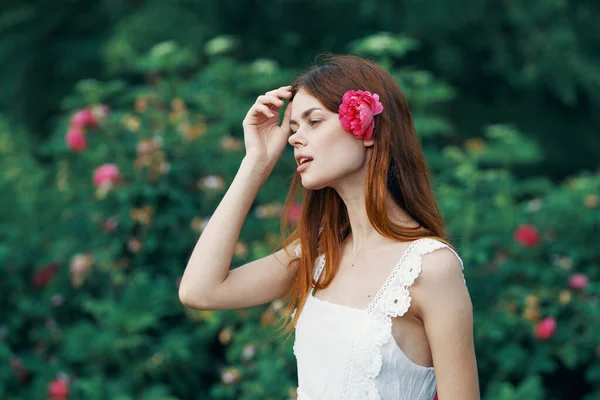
(381, 308)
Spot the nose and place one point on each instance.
(296, 138)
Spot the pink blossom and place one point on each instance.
(545, 328)
(75, 139)
(527, 235)
(578, 281)
(107, 175)
(294, 212)
(58, 389)
(84, 118)
(357, 111)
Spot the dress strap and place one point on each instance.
(393, 299)
(318, 265)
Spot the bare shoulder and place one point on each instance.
(441, 300)
(441, 281)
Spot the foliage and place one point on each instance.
(91, 268)
(533, 64)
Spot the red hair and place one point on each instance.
(397, 166)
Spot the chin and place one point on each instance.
(312, 185)
(309, 182)
(316, 183)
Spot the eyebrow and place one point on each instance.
(305, 114)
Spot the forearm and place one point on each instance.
(209, 262)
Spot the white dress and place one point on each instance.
(346, 353)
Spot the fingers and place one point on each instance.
(287, 115)
(264, 109)
(273, 98)
(271, 102)
(284, 91)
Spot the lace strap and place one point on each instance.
(318, 265)
(298, 250)
(393, 299)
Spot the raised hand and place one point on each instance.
(264, 138)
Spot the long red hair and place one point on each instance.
(397, 166)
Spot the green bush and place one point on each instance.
(89, 295)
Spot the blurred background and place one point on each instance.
(120, 131)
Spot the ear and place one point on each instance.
(368, 142)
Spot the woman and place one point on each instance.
(378, 293)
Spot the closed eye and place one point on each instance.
(311, 123)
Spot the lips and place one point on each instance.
(303, 166)
(300, 157)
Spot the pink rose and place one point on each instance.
(527, 235)
(357, 111)
(58, 389)
(545, 328)
(578, 281)
(75, 139)
(84, 118)
(107, 175)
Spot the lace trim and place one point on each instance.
(318, 266)
(364, 358)
(393, 299)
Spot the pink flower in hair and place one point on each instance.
(357, 111)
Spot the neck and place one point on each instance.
(363, 233)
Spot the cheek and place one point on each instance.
(343, 154)
(345, 150)
(340, 159)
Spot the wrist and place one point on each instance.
(256, 166)
(256, 169)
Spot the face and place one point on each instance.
(338, 157)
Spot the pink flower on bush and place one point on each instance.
(90, 117)
(578, 281)
(58, 389)
(527, 235)
(107, 175)
(75, 139)
(84, 118)
(294, 212)
(357, 111)
(545, 328)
